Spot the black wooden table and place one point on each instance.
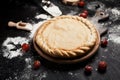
(20, 68)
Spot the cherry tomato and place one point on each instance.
(104, 42)
(25, 47)
(84, 15)
(88, 69)
(102, 66)
(36, 64)
(81, 3)
(85, 11)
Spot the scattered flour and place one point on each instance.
(114, 34)
(70, 73)
(92, 5)
(42, 16)
(115, 11)
(72, 13)
(28, 62)
(11, 47)
(42, 75)
(116, 14)
(35, 27)
(28, 75)
(114, 38)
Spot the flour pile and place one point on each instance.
(12, 47)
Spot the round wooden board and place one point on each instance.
(67, 61)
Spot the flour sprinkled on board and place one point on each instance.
(28, 62)
(12, 46)
(114, 13)
(35, 27)
(43, 75)
(70, 73)
(42, 16)
(114, 34)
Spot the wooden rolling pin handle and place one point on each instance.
(12, 24)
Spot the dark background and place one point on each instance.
(17, 68)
